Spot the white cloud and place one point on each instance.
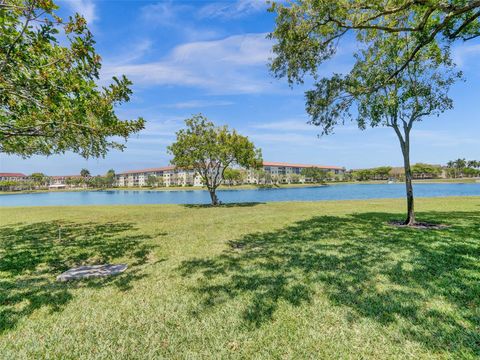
(86, 8)
(300, 124)
(232, 9)
(276, 142)
(176, 17)
(236, 64)
(442, 138)
(462, 54)
(197, 104)
(286, 125)
(133, 52)
(248, 49)
(164, 13)
(283, 138)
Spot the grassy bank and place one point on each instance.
(278, 280)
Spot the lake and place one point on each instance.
(313, 193)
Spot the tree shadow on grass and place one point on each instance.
(425, 282)
(32, 255)
(223, 205)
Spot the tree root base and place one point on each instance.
(418, 225)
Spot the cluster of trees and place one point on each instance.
(41, 181)
(99, 181)
(315, 175)
(87, 180)
(426, 171)
(320, 176)
(154, 181)
(419, 171)
(9, 185)
(379, 173)
(34, 181)
(310, 175)
(463, 168)
(234, 176)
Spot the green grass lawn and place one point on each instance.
(319, 280)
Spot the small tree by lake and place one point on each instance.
(39, 180)
(232, 176)
(314, 174)
(109, 180)
(209, 150)
(152, 181)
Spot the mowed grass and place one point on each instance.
(323, 280)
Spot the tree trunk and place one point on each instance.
(408, 181)
(214, 197)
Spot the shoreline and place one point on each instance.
(248, 187)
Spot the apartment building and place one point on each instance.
(13, 177)
(63, 181)
(281, 169)
(173, 176)
(167, 176)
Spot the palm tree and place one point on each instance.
(84, 173)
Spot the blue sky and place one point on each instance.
(186, 57)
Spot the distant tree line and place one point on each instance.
(463, 168)
(455, 169)
(419, 171)
(39, 181)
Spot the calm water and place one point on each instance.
(333, 192)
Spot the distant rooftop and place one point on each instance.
(282, 164)
(13, 175)
(265, 163)
(163, 168)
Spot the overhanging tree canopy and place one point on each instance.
(49, 98)
(308, 31)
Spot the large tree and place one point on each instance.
(50, 100)
(386, 85)
(209, 150)
(419, 91)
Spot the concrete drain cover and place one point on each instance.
(85, 272)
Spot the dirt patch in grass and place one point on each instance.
(419, 225)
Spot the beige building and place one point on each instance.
(13, 177)
(63, 181)
(172, 176)
(166, 176)
(288, 170)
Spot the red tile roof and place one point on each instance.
(163, 168)
(265, 163)
(282, 164)
(13, 175)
